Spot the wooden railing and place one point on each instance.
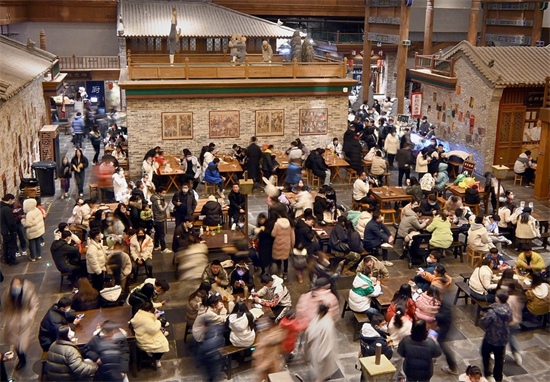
(147, 58)
(89, 62)
(434, 64)
(225, 70)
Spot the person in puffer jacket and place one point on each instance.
(34, 228)
(496, 323)
(65, 363)
(361, 293)
(241, 324)
(478, 237)
(373, 333)
(442, 177)
(212, 211)
(274, 295)
(538, 297)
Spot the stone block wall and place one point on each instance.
(390, 79)
(145, 126)
(474, 98)
(21, 117)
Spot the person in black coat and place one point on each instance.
(376, 235)
(66, 256)
(237, 203)
(212, 211)
(444, 319)
(354, 155)
(269, 164)
(304, 233)
(404, 160)
(109, 345)
(184, 204)
(241, 277)
(254, 155)
(79, 163)
(8, 228)
(373, 333)
(316, 163)
(182, 235)
(58, 315)
(265, 241)
(429, 205)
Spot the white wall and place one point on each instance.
(66, 39)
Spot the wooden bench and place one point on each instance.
(463, 292)
(466, 276)
(458, 249)
(441, 200)
(227, 353)
(359, 318)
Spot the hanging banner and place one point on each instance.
(416, 104)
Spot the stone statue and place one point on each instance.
(267, 52)
(233, 47)
(308, 55)
(241, 49)
(296, 46)
(174, 36)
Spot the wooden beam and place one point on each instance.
(402, 51)
(428, 27)
(541, 190)
(365, 80)
(474, 21)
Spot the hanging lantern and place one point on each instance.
(110, 85)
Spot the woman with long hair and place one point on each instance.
(79, 163)
(121, 212)
(195, 301)
(64, 175)
(402, 296)
(418, 351)
(241, 325)
(400, 325)
(19, 306)
(86, 297)
(427, 306)
(527, 227)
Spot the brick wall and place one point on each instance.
(478, 140)
(21, 117)
(144, 123)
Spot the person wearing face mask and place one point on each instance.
(66, 256)
(391, 146)
(19, 306)
(429, 206)
(241, 279)
(65, 363)
(184, 204)
(160, 216)
(58, 315)
(141, 250)
(121, 213)
(237, 203)
(373, 333)
(8, 228)
(96, 258)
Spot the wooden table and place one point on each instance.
(175, 171)
(230, 167)
(461, 193)
(335, 163)
(215, 242)
(367, 164)
(389, 194)
(389, 287)
(202, 202)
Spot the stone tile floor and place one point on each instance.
(178, 365)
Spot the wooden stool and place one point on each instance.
(473, 207)
(473, 256)
(94, 191)
(388, 211)
(351, 175)
(518, 179)
(314, 180)
(210, 189)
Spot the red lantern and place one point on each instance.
(110, 85)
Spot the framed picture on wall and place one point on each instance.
(270, 122)
(177, 125)
(225, 124)
(313, 121)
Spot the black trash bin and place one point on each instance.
(45, 172)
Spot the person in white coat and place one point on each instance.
(480, 282)
(241, 324)
(478, 237)
(96, 258)
(150, 166)
(364, 219)
(320, 345)
(391, 146)
(82, 212)
(304, 200)
(120, 186)
(150, 336)
(212, 312)
(33, 222)
(141, 251)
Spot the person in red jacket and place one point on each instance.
(292, 327)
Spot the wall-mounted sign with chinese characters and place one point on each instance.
(383, 38)
(416, 104)
(96, 92)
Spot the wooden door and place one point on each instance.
(509, 134)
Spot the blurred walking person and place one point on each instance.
(320, 340)
(19, 306)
